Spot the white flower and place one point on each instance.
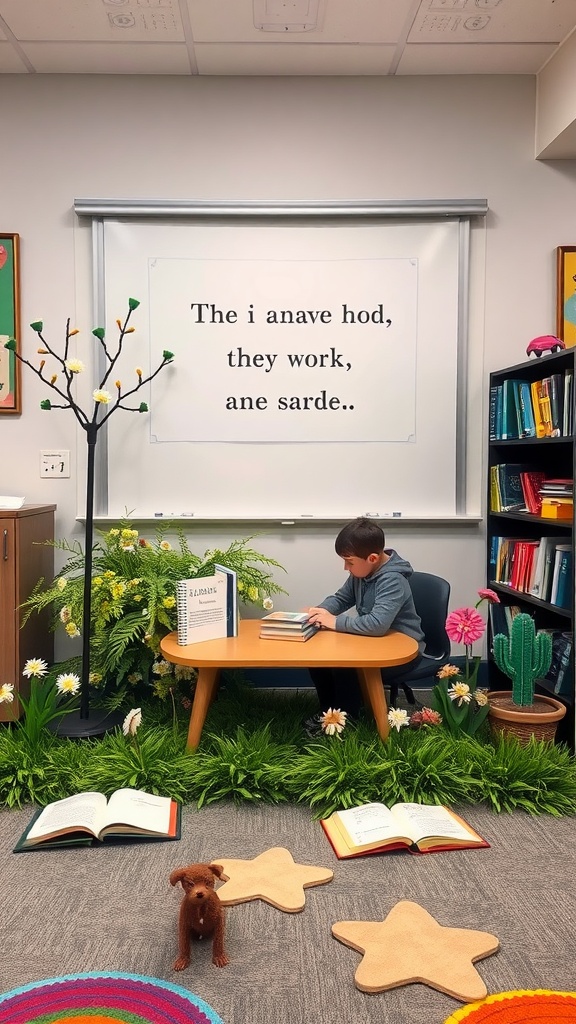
(481, 698)
(6, 693)
(132, 722)
(162, 668)
(104, 397)
(333, 721)
(268, 604)
(65, 614)
(460, 692)
(68, 682)
(74, 365)
(35, 667)
(398, 717)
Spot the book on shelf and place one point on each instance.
(417, 828)
(509, 414)
(544, 559)
(568, 413)
(560, 673)
(535, 390)
(556, 392)
(207, 607)
(495, 412)
(561, 556)
(524, 412)
(531, 481)
(87, 819)
(287, 626)
(510, 490)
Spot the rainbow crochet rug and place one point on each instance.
(521, 1007)
(112, 998)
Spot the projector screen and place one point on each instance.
(316, 370)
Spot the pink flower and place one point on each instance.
(465, 626)
(488, 595)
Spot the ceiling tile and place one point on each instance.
(455, 59)
(252, 59)
(10, 62)
(493, 21)
(339, 21)
(104, 59)
(94, 20)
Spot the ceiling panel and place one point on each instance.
(493, 21)
(281, 59)
(10, 63)
(106, 59)
(497, 59)
(339, 21)
(94, 20)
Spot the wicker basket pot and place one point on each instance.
(539, 720)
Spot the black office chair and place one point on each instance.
(431, 596)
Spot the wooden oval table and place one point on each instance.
(327, 649)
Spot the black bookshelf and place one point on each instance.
(556, 456)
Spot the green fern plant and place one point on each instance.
(133, 602)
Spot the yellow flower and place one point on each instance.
(101, 396)
(6, 693)
(134, 677)
(117, 589)
(460, 692)
(74, 365)
(68, 682)
(333, 721)
(72, 629)
(240, 585)
(114, 533)
(253, 593)
(481, 698)
(61, 583)
(94, 678)
(169, 602)
(165, 545)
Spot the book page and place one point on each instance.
(372, 824)
(425, 821)
(143, 811)
(83, 810)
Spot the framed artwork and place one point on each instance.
(566, 294)
(10, 396)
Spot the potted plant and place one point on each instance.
(524, 657)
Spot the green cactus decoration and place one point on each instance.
(524, 657)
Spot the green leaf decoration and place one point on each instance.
(37, 326)
(142, 407)
(99, 332)
(11, 344)
(133, 303)
(45, 403)
(166, 355)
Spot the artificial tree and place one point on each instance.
(61, 383)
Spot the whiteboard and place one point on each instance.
(317, 373)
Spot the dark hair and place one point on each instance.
(360, 538)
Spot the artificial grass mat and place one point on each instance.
(253, 748)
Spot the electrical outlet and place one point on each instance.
(55, 463)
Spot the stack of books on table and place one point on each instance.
(287, 626)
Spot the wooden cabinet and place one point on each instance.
(24, 558)
(552, 456)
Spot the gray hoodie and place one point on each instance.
(383, 601)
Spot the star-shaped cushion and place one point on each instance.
(272, 876)
(409, 945)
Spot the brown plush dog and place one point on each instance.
(201, 913)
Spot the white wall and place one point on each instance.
(215, 138)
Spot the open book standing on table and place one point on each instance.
(89, 818)
(207, 608)
(418, 828)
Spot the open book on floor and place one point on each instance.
(418, 828)
(89, 818)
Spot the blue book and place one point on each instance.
(527, 422)
(509, 414)
(564, 591)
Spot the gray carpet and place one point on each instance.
(113, 909)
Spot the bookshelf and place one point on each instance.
(554, 456)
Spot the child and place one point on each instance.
(378, 587)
